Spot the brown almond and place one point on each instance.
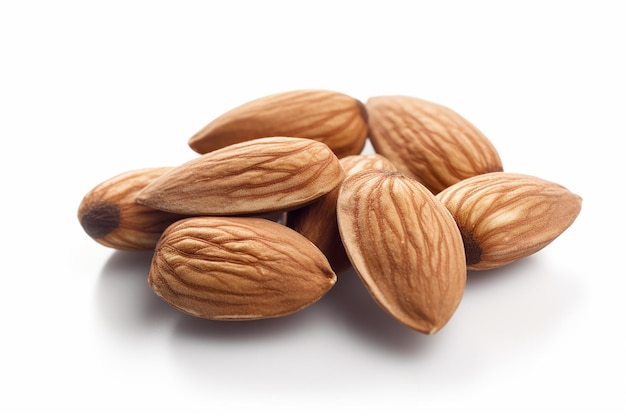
(504, 217)
(333, 118)
(428, 141)
(355, 163)
(229, 268)
(404, 245)
(257, 176)
(109, 214)
(318, 221)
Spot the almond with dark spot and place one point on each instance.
(504, 217)
(109, 214)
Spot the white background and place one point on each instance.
(91, 89)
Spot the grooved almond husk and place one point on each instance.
(404, 245)
(318, 221)
(504, 217)
(334, 118)
(257, 176)
(109, 214)
(230, 268)
(428, 141)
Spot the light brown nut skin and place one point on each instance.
(230, 268)
(428, 141)
(318, 221)
(404, 245)
(334, 118)
(258, 176)
(504, 217)
(109, 214)
(354, 163)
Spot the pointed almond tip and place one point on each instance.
(195, 142)
(433, 331)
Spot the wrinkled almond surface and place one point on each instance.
(257, 176)
(428, 141)
(504, 217)
(109, 214)
(331, 117)
(318, 221)
(404, 245)
(230, 268)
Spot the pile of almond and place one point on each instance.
(282, 199)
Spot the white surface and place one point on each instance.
(89, 91)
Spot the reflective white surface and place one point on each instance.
(91, 91)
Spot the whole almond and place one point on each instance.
(230, 268)
(333, 118)
(428, 141)
(504, 217)
(318, 221)
(257, 176)
(405, 246)
(109, 214)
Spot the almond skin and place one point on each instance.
(258, 176)
(504, 217)
(404, 245)
(109, 214)
(428, 141)
(334, 118)
(355, 163)
(318, 221)
(230, 268)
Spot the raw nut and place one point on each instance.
(230, 268)
(257, 176)
(429, 142)
(333, 118)
(405, 246)
(504, 217)
(355, 163)
(318, 221)
(109, 214)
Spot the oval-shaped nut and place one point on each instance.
(338, 120)
(231, 268)
(504, 217)
(318, 221)
(257, 176)
(404, 245)
(109, 214)
(428, 141)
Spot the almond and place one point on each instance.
(230, 268)
(428, 141)
(404, 245)
(355, 163)
(257, 176)
(334, 118)
(504, 217)
(109, 214)
(318, 221)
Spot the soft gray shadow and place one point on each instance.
(125, 301)
(124, 298)
(198, 329)
(478, 279)
(525, 300)
(358, 313)
(347, 307)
